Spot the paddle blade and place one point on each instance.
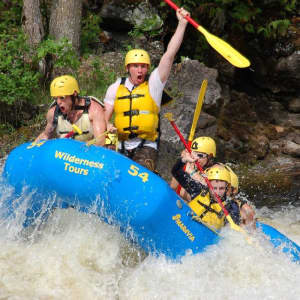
(169, 116)
(197, 110)
(228, 52)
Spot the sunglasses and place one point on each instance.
(201, 155)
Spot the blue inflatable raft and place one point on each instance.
(118, 190)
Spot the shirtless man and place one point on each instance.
(71, 115)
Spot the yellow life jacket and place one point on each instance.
(63, 125)
(209, 212)
(136, 113)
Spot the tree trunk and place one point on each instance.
(65, 21)
(32, 22)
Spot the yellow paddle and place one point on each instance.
(197, 111)
(195, 119)
(93, 141)
(228, 52)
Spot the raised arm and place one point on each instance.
(167, 59)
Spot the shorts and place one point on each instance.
(145, 156)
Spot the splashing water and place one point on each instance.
(76, 256)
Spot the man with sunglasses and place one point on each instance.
(204, 151)
(71, 115)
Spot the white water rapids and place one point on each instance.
(76, 256)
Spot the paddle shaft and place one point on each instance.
(190, 20)
(70, 134)
(200, 169)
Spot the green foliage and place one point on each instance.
(188, 4)
(245, 13)
(269, 19)
(17, 79)
(275, 28)
(61, 51)
(97, 80)
(148, 27)
(6, 128)
(90, 32)
(10, 18)
(201, 47)
(289, 5)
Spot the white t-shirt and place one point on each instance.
(156, 88)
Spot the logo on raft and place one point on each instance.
(68, 158)
(183, 227)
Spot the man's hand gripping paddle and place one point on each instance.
(226, 213)
(228, 52)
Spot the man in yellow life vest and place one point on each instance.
(204, 148)
(136, 100)
(203, 203)
(71, 115)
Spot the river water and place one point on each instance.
(76, 256)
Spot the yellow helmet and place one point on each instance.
(137, 56)
(64, 86)
(218, 172)
(234, 180)
(204, 144)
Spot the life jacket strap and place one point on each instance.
(131, 96)
(134, 112)
(57, 111)
(210, 209)
(131, 128)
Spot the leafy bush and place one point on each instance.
(148, 27)
(17, 79)
(10, 17)
(268, 18)
(90, 32)
(275, 28)
(97, 80)
(61, 52)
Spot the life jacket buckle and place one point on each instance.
(130, 113)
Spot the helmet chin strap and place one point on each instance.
(73, 97)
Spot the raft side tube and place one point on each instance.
(279, 240)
